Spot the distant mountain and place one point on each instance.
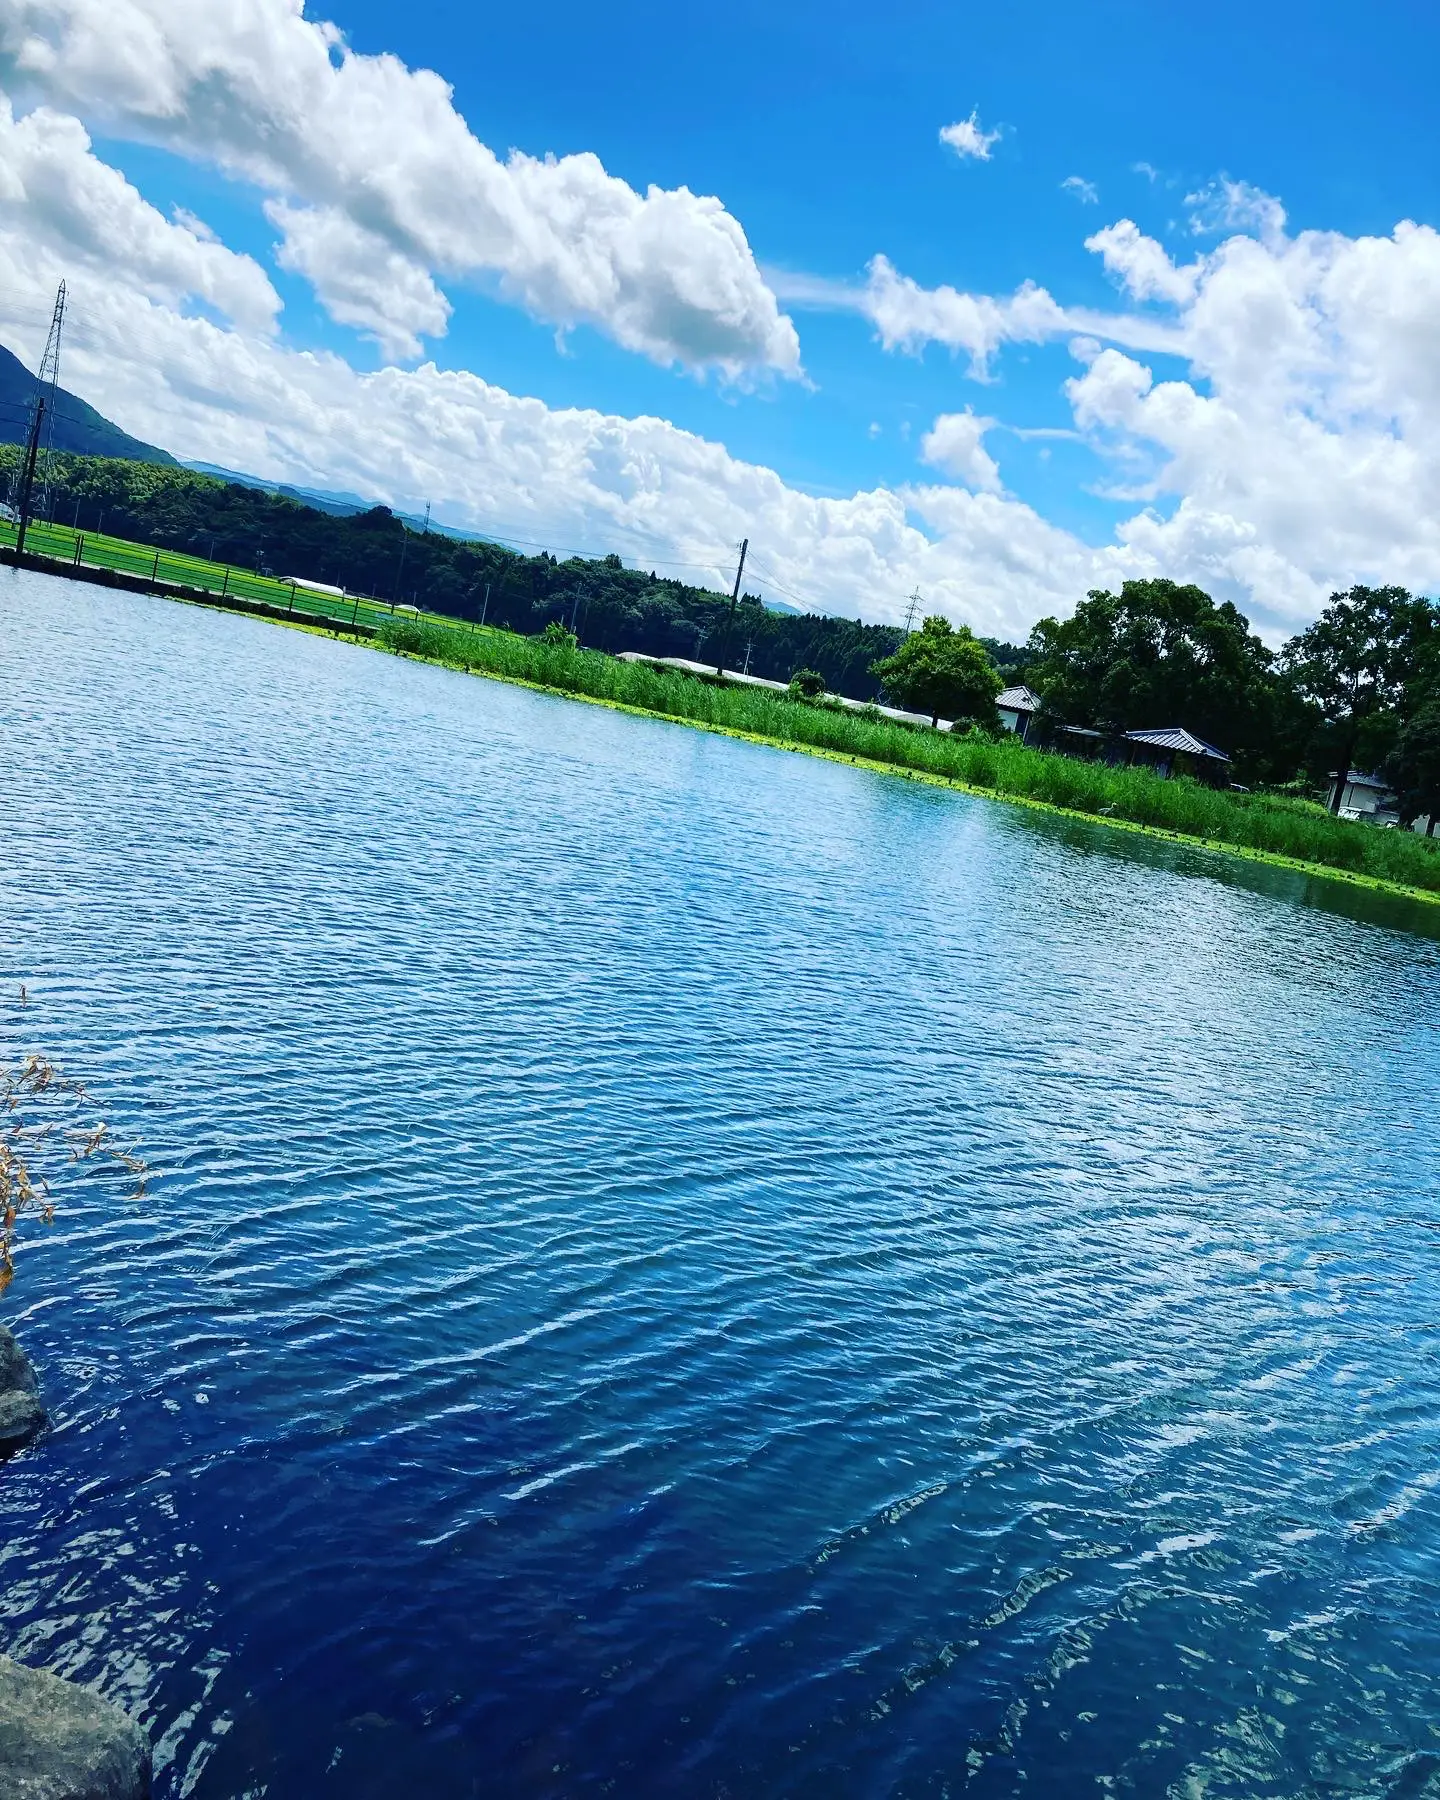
(339, 506)
(79, 429)
(343, 505)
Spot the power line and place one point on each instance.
(804, 600)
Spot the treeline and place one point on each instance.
(1360, 688)
(609, 607)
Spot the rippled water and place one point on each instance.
(685, 1270)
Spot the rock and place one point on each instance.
(61, 1742)
(21, 1414)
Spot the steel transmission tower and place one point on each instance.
(47, 383)
(915, 604)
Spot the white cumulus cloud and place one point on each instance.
(360, 278)
(968, 141)
(564, 477)
(1142, 265)
(955, 444)
(1291, 443)
(55, 190)
(1270, 404)
(362, 150)
(908, 316)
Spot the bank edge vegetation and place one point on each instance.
(1268, 825)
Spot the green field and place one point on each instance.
(96, 550)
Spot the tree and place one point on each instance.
(1414, 765)
(1158, 653)
(942, 668)
(806, 684)
(1353, 664)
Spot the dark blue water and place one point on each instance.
(679, 1269)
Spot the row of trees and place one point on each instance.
(1360, 687)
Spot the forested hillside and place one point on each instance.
(77, 426)
(612, 607)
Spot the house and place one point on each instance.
(1172, 750)
(1017, 706)
(1167, 749)
(1367, 797)
(1081, 741)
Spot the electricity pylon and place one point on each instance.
(47, 384)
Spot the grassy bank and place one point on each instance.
(1252, 823)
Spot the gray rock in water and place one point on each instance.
(21, 1414)
(61, 1742)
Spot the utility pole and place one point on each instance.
(734, 602)
(27, 480)
(404, 546)
(915, 604)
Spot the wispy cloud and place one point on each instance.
(1227, 205)
(1084, 191)
(968, 140)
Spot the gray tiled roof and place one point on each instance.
(1018, 699)
(1176, 737)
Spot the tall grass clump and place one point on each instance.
(44, 1127)
(1270, 825)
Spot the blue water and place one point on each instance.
(680, 1269)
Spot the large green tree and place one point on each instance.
(942, 668)
(1414, 765)
(1159, 653)
(1354, 664)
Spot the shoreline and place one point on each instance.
(364, 634)
(1217, 846)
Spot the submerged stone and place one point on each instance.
(61, 1742)
(21, 1414)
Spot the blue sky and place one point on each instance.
(818, 129)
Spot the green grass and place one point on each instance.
(1265, 825)
(98, 550)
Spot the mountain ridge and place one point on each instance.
(79, 429)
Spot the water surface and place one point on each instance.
(681, 1269)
